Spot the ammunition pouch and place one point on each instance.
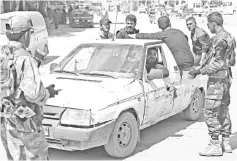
(21, 114)
(215, 91)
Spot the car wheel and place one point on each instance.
(234, 13)
(194, 110)
(124, 137)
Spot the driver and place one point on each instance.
(154, 69)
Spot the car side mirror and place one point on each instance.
(32, 31)
(52, 67)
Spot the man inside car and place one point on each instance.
(154, 69)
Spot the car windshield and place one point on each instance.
(115, 60)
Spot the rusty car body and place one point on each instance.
(106, 100)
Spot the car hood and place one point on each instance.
(88, 92)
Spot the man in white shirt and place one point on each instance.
(104, 30)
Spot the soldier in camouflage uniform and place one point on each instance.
(21, 111)
(217, 99)
(200, 40)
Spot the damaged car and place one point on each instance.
(105, 98)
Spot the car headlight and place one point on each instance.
(76, 117)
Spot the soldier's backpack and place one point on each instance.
(8, 75)
(8, 72)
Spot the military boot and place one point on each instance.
(213, 149)
(226, 145)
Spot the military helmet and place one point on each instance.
(18, 24)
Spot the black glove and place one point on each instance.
(52, 91)
(195, 72)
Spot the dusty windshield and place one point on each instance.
(108, 59)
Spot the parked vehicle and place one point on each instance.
(56, 4)
(230, 8)
(39, 36)
(142, 9)
(213, 8)
(125, 8)
(81, 18)
(111, 99)
(198, 8)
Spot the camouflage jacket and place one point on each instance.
(30, 91)
(217, 64)
(28, 76)
(201, 41)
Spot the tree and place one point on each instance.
(42, 8)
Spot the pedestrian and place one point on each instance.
(175, 39)
(104, 14)
(200, 40)
(131, 22)
(217, 99)
(64, 15)
(104, 32)
(56, 18)
(23, 95)
(70, 13)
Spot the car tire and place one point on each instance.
(127, 126)
(234, 13)
(194, 110)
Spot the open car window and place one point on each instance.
(159, 54)
(156, 66)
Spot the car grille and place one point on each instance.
(53, 112)
(53, 141)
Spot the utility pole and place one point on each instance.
(179, 10)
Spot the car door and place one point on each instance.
(175, 78)
(159, 97)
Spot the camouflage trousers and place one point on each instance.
(4, 139)
(216, 112)
(23, 145)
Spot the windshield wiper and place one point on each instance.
(68, 72)
(99, 74)
(93, 74)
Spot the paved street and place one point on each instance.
(173, 139)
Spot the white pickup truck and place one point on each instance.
(105, 98)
